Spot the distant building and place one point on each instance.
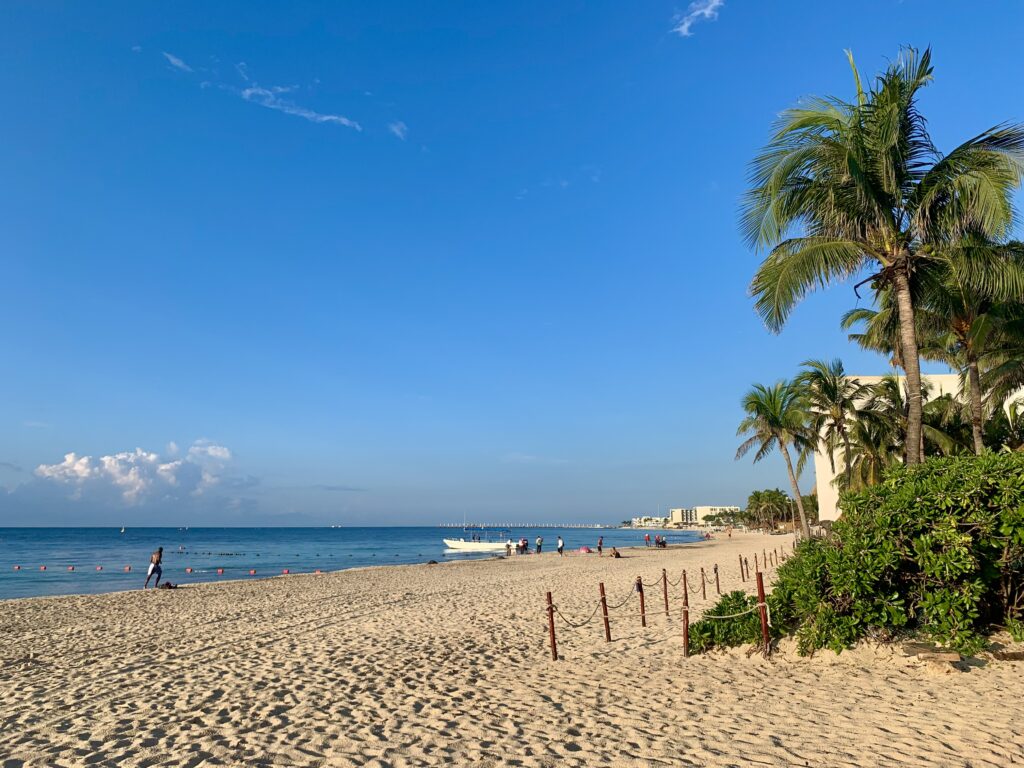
(682, 516)
(649, 522)
(698, 515)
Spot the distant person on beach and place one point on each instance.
(154, 567)
(561, 546)
(540, 543)
(167, 585)
(600, 545)
(647, 539)
(615, 552)
(508, 548)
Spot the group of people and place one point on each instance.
(522, 546)
(659, 540)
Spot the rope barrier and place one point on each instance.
(735, 615)
(580, 624)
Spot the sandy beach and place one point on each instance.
(449, 664)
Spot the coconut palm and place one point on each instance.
(833, 399)
(969, 289)
(846, 187)
(777, 417)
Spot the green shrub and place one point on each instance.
(723, 633)
(936, 549)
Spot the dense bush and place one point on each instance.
(937, 549)
(709, 633)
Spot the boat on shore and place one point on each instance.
(479, 539)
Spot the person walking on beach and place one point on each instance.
(540, 543)
(561, 546)
(647, 539)
(154, 567)
(600, 545)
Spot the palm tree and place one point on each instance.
(834, 401)
(777, 417)
(846, 187)
(965, 297)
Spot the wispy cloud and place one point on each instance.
(271, 99)
(35, 424)
(136, 49)
(10, 466)
(177, 63)
(701, 10)
(399, 129)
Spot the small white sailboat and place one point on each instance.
(122, 529)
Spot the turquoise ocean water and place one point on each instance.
(235, 551)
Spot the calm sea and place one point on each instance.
(236, 551)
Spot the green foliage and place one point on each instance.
(725, 633)
(936, 549)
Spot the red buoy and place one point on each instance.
(188, 570)
(99, 567)
(252, 571)
(17, 567)
(317, 571)
(71, 567)
(220, 571)
(285, 571)
(127, 569)
(42, 567)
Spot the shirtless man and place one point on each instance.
(154, 567)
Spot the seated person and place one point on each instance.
(615, 552)
(167, 585)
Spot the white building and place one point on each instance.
(697, 515)
(828, 494)
(649, 522)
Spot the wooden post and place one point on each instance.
(746, 566)
(757, 568)
(718, 584)
(764, 559)
(604, 612)
(703, 585)
(763, 610)
(742, 576)
(686, 618)
(551, 629)
(643, 610)
(664, 589)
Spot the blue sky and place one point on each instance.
(396, 262)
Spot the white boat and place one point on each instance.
(477, 538)
(464, 545)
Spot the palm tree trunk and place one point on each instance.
(912, 366)
(847, 458)
(974, 389)
(804, 527)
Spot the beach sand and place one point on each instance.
(449, 665)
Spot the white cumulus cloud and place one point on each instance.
(701, 10)
(140, 476)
